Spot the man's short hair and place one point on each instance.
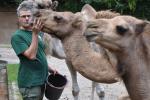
(27, 5)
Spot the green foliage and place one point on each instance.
(142, 9)
(132, 4)
(10, 3)
(137, 8)
(12, 70)
(87, 1)
(70, 5)
(116, 4)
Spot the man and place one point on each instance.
(28, 45)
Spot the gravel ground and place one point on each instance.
(112, 91)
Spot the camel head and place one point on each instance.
(60, 24)
(116, 33)
(89, 13)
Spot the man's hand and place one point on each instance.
(53, 71)
(31, 52)
(37, 26)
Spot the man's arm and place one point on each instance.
(31, 52)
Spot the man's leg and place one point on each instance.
(32, 93)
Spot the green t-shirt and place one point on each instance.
(31, 72)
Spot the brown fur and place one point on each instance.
(69, 28)
(129, 39)
(106, 14)
(125, 36)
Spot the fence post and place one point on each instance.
(4, 94)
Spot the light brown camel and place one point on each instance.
(70, 28)
(129, 39)
(90, 14)
(55, 48)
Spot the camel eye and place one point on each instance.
(121, 30)
(58, 18)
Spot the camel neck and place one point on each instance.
(87, 62)
(74, 43)
(137, 68)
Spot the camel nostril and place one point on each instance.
(57, 18)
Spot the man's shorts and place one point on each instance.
(32, 93)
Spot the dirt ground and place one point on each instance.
(112, 91)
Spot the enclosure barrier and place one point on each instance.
(4, 94)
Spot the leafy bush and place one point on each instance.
(10, 3)
(137, 8)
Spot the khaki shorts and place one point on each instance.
(32, 93)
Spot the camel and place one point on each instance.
(54, 48)
(90, 13)
(70, 28)
(128, 38)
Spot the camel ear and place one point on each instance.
(88, 12)
(140, 27)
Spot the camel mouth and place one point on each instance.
(51, 32)
(107, 43)
(47, 30)
(91, 36)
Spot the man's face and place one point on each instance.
(25, 19)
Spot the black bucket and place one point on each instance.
(54, 86)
